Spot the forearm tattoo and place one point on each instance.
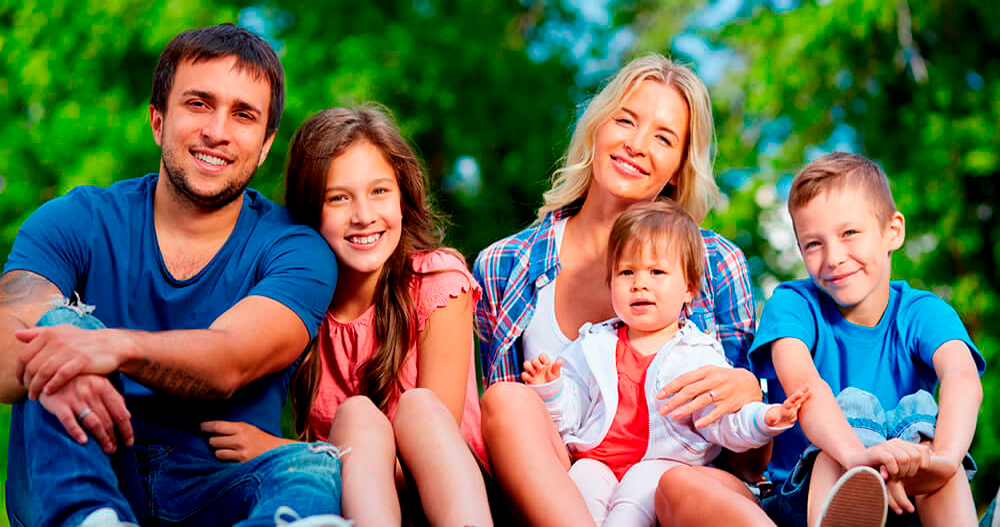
(173, 381)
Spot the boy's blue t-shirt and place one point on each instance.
(101, 243)
(890, 360)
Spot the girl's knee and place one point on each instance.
(420, 404)
(359, 415)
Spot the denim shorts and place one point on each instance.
(912, 420)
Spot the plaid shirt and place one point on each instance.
(513, 269)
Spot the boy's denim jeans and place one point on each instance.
(52, 480)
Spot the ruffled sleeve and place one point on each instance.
(444, 276)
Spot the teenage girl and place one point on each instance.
(390, 376)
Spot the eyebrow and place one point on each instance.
(239, 104)
(663, 128)
(379, 181)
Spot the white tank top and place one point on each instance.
(543, 334)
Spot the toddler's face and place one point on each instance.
(847, 250)
(648, 290)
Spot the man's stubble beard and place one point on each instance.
(178, 179)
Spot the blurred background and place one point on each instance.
(488, 93)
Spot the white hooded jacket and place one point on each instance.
(584, 399)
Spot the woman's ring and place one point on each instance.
(83, 414)
(712, 395)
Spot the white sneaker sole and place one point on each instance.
(858, 499)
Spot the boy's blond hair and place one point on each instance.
(665, 227)
(837, 171)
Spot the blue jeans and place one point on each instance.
(52, 480)
(913, 419)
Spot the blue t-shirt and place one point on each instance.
(101, 243)
(890, 360)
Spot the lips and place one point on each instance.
(211, 160)
(365, 239)
(839, 279)
(627, 167)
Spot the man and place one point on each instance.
(209, 293)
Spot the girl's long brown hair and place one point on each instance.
(316, 143)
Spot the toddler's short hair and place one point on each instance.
(836, 171)
(664, 227)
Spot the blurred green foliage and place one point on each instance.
(914, 85)
(75, 82)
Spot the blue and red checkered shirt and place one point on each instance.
(512, 269)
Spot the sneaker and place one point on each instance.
(858, 499)
(319, 520)
(105, 517)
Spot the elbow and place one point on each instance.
(11, 394)
(221, 386)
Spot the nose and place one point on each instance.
(216, 128)
(638, 282)
(635, 144)
(836, 253)
(363, 212)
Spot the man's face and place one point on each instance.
(213, 132)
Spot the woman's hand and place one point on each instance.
(728, 388)
(541, 370)
(240, 441)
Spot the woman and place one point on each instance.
(648, 133)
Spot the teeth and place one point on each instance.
(628, 166)
(372, 238)
(212, 160)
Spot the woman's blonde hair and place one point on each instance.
(695, 189)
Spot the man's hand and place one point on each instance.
(52, 356)
(107, 411)
(541, 370)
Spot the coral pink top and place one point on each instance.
(345, 346)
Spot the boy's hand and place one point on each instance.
(940, 470)
(898, 501)
(541, 370)
(895, 458)
(786, 414)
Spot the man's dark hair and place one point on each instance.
(252, 54)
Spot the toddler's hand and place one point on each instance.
(541, 370)
(788, 412)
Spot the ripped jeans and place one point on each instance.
(54, 481)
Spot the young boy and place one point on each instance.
(882, 346)
(605, 406)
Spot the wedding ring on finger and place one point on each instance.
(83, 414)
(712, 395)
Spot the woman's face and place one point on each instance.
(362, 213)
(639, 149)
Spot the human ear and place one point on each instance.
(689, 293)
(156, 123)
(266, 147)
(895, 230)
